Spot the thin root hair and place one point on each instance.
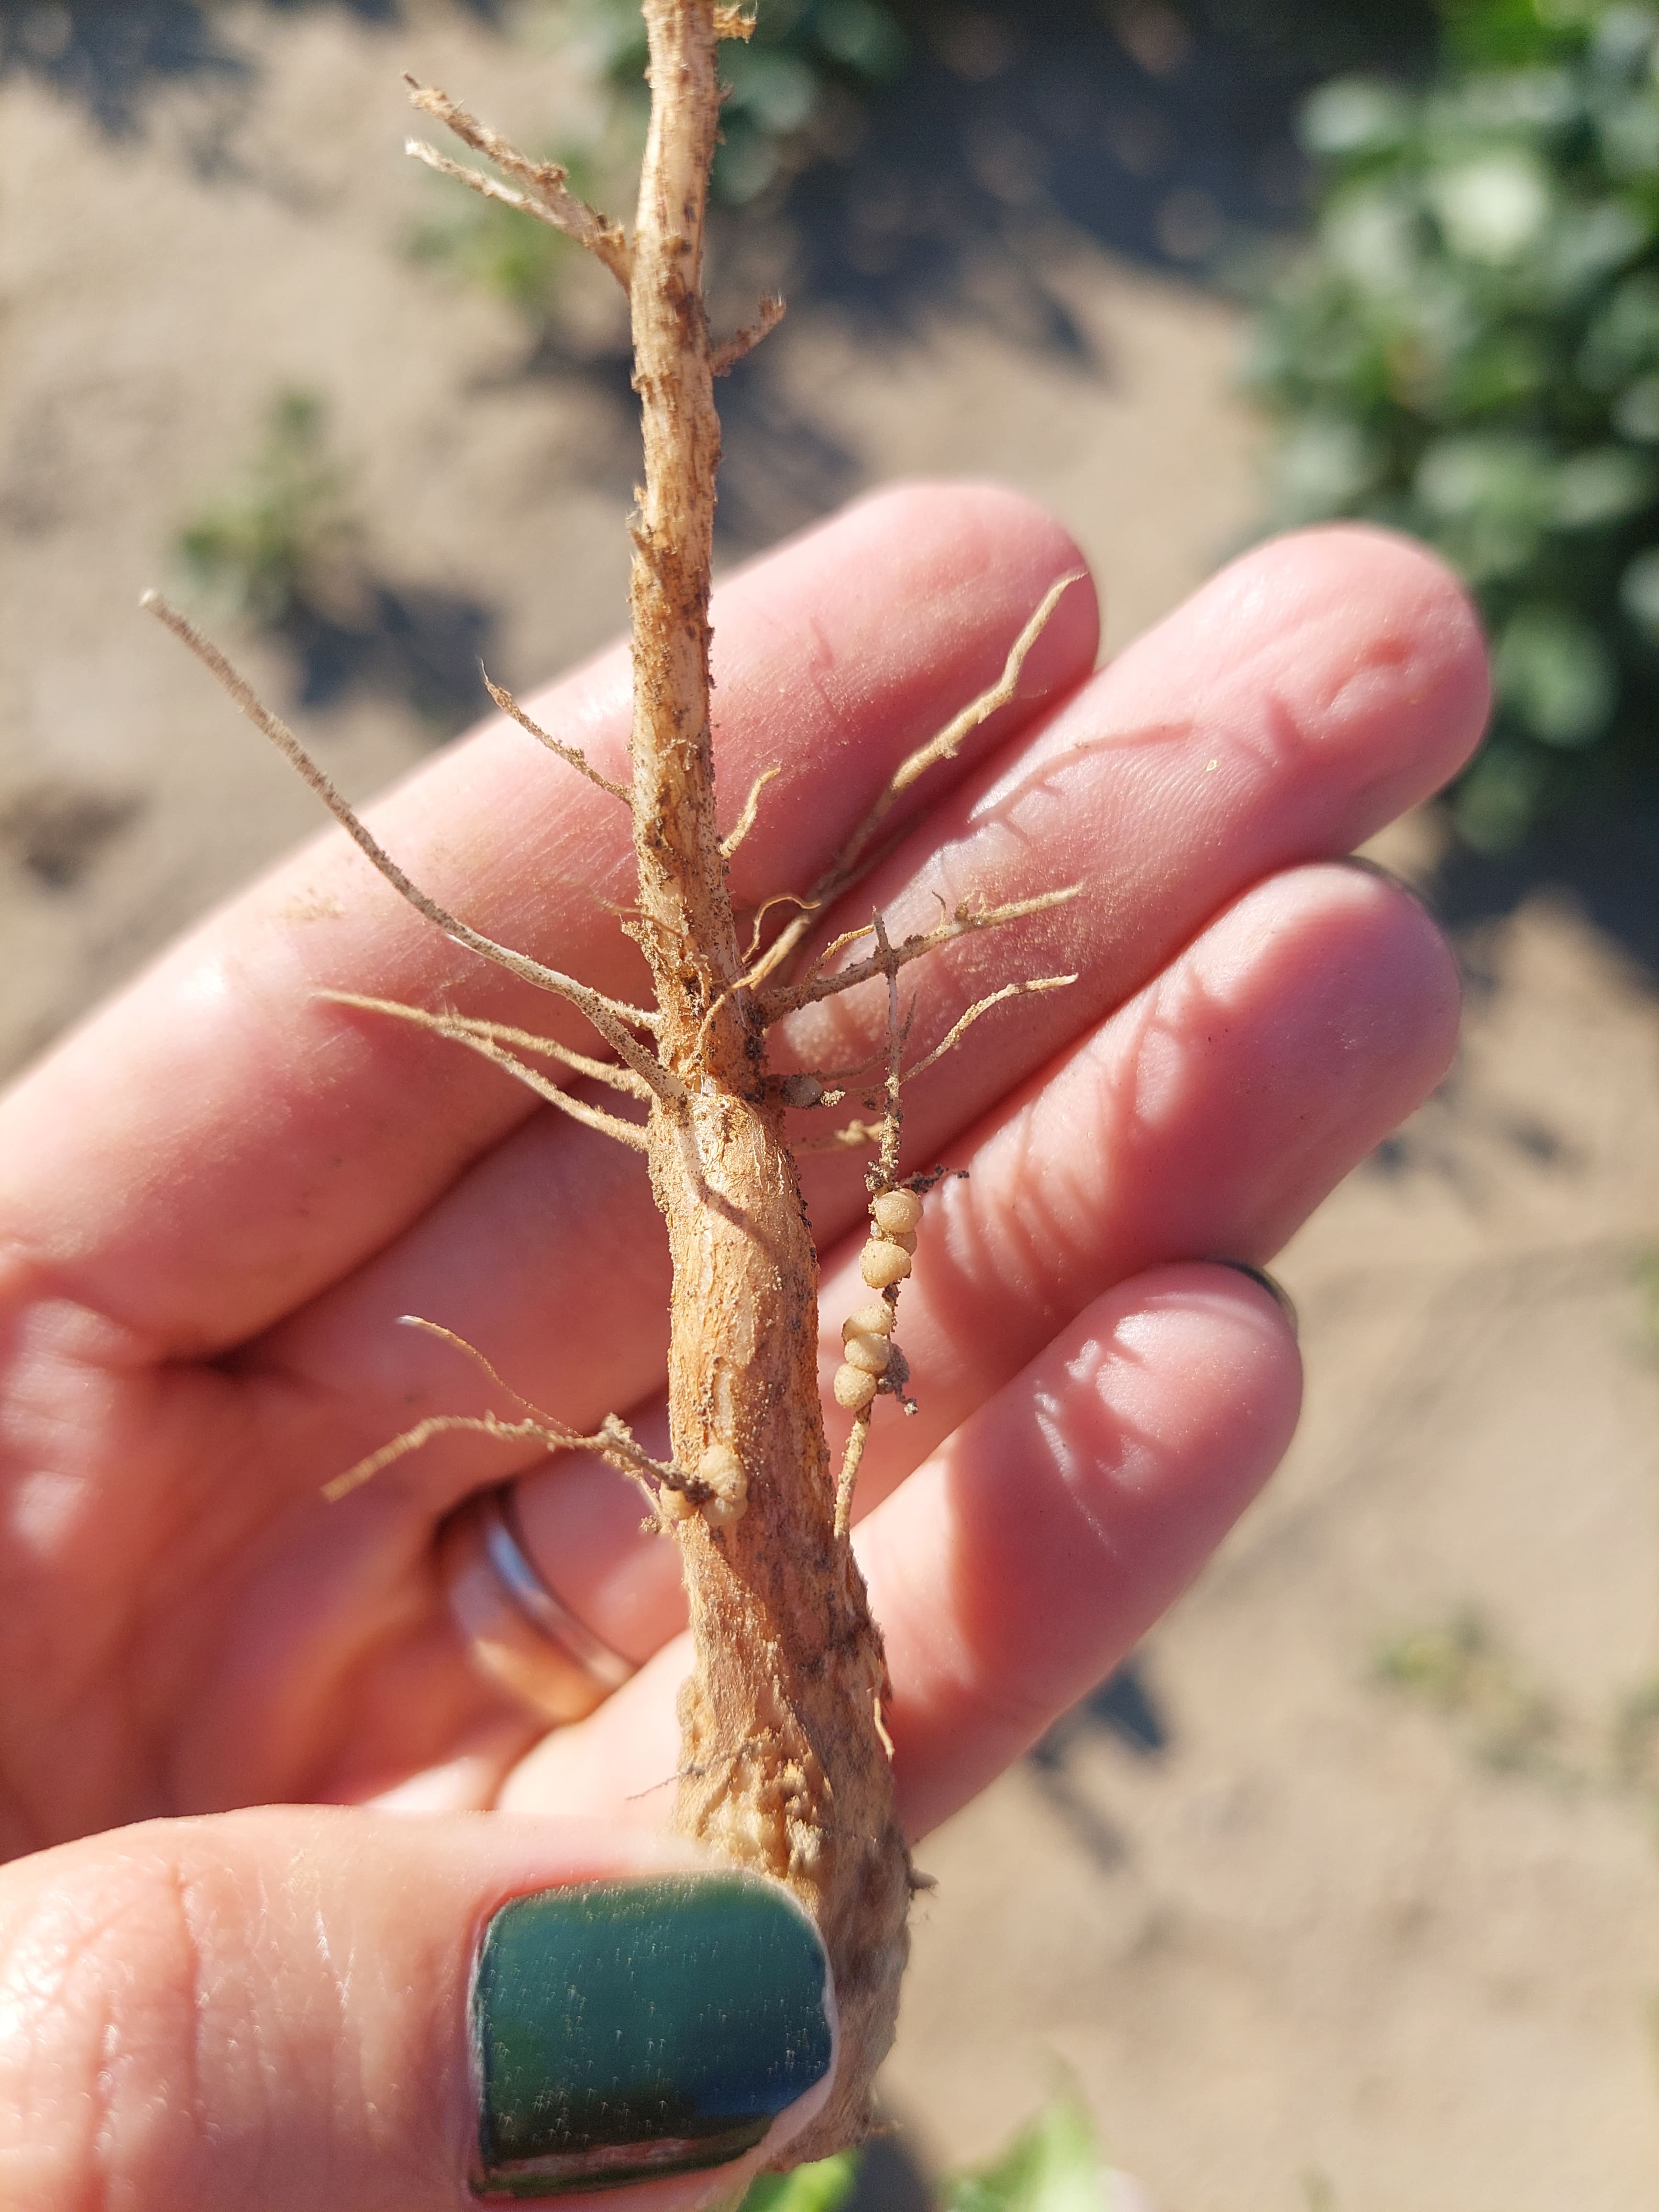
(608, 1016)
(572, 754)
(546, 194)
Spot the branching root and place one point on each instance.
(609, 1017)
(725, 357)
(490, 1040)
(612, 1440)
(855, 853)
(546, 194)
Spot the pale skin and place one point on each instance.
(219, 1195)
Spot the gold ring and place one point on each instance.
(518, 1632)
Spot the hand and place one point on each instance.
(217, 1197)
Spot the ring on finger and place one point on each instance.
(518, 1632)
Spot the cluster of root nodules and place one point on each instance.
(872, 1362)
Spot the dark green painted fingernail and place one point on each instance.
(629, 2029)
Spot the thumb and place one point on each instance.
(336, 2010)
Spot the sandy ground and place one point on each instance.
(1311, 1942)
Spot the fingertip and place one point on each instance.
(1207, 1351)
(1413, 594)
(1417, 639)
(964, 540)
(1347, 660)
(1355, 947)
(1425, 984)
(1023, 1563)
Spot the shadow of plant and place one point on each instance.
(55, 829)
(284, 554)
(1122, 1706)
(111, 56)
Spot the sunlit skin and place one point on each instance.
(219, 1195)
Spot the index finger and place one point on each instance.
(216, 1147)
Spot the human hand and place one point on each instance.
(217, 1199)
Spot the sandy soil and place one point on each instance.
(1307, 1940)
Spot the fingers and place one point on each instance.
(1287, 711)
(217, 1146)
(1025, 1559)
(279, 2010)
(1032, 1552)
(1312, 688)
(1207, 1117)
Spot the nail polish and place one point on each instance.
(625, 2030)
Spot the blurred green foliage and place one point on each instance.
(273, 544)
(801, 54)
(1635, 1749)
(1456, 1666)
(824, 2186)
(1468, 347)
(1052, 2165)
(803, 58)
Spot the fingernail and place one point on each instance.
(623, 2030)
(1384, 874)
(1274, 1287)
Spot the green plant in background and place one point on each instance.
(1469, 349)
(1457, 1668)
(273, 545)
(1644, 1272)
(1053, 2164)
(824, 2186)
(801, 53)
(485, 243)
(803, 58)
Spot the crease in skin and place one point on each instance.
(1055, 1416)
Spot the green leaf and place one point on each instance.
(1493, 208)
(1600, 486)
(1352, 117)
(1556, 675)
(1498, 799)
(1506, 478)
(1323, 468)
(1370, 232)
(1638, 594)
(1623, 336)
(1052, 2165)
(1636, 410)
(864, 36)
(821, 2187)
(778, 89)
